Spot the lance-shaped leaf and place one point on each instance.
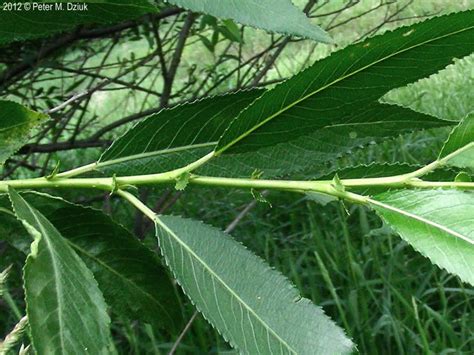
(174, 137)
(132, 279)
(458, 150)
(339, 89)
(130, 276)
(66, 310)
(271, 15)
(253, 306)
(16, 123)
(437, 223)
(316, 149)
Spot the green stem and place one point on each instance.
(138, 204)
(94, 166)
(442, 184)
(410, 180)
(424, 170)
(437, 163)
(108, 184)
(78, 171)
(324, 186)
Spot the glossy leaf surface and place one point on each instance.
(132, 279)
(316, 149)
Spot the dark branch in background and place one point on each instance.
(271, 61)
(61, 146)
(124, 83)
(15, 73)
(169, 73)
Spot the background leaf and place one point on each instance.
(256, 309)
(66, 310)
(16, 122)
(437, 223)
(271, 15)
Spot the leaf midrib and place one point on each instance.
(155, 153)
(421, 219)
(455, 153)
(58, 287)
(245, 134)
(17, 125)
(231, 291)
(106, 266)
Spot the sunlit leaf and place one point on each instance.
(437, 223)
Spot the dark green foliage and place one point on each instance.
(327, 135)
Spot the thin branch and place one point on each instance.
(170, 73)
(16, 72)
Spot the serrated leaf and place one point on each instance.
(23, 25)
(315, 150)
(16, 123)
(458, 150)
(182, 181)
(174, 137)
(254, 307)
(279, 16)
(66, 310)
(133, 281)
(437, 223)
(341, 88)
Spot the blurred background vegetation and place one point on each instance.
(388, 297)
